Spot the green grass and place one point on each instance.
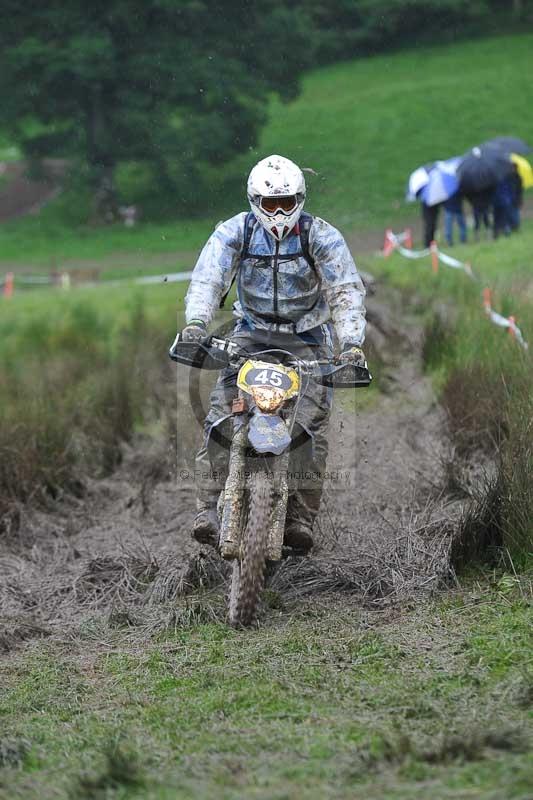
(45, 243)
(34, 322)
(7, 151)
(503, 266)
(316, 703)
(503, 263)
(362, 125)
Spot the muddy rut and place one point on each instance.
(384, 530)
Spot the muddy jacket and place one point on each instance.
(276, 287)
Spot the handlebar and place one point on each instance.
(214, 353)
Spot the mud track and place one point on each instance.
(123, 549)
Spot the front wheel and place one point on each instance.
(249, 569)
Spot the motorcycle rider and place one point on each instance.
(294, 274)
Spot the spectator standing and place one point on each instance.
(517, 198)
(481, 202)
(502, 204)
(430, 215)
(453, 212)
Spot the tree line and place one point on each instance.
(180, 86)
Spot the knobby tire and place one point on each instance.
(248, 575)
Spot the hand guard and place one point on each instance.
(195, 331)
(353, 354)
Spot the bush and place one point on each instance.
(475, 399)
(71, 401)
(490, 408)
(345, 29)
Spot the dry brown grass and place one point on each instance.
(66, 416)
(51, 591)
(491, 414)
(417, 559)
(475, 400)
(18, 629)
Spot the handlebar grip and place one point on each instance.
(198, 354)
(346, 376)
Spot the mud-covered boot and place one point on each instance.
(298, 537)
(206, 527)
(301, 513)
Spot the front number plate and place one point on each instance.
(275, 376)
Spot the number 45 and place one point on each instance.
(269, 377)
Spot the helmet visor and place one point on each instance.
(284, 204)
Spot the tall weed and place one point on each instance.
(486, 387)
(73, 387)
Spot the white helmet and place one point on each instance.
(276, 191)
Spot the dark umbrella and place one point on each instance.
(483, 167)
(510, 144)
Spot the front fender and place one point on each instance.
(267, 433)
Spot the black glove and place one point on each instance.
(352, 354)
(194, 331)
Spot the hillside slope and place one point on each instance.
(362, 125)
(366, 124)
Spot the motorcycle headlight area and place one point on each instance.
(268, 399)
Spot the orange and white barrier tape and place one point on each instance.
(450, 261)
(503, 322)
(402, 242)
(398, 241)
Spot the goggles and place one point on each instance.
(284, 204)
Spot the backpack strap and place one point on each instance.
(304, 225)
(249, 225)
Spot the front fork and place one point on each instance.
(233, 498)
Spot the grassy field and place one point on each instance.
(45, 242)
(363, 126)
(7, 151)
(503, 265)
(319, 703)
(50, 316)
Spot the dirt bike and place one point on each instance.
(253, 505)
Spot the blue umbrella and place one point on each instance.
(443, 182)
